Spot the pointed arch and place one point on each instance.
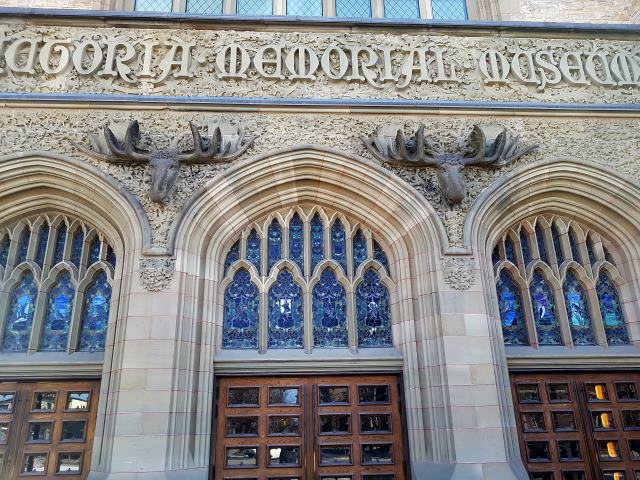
(241, 312)
(543, 303)
(58, 314)
(611, 310)
(512, 314)
(578, 310)
(329, 309)
(285, 312)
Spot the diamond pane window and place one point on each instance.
(253, 250)
(55, 331)
(339, 245)
(317, 241)
(577, 311)
(4, 250)
(511, 310)
(573, 242)
(204, 7)
(544, 311)
(241, 311)
(23, 245)
(285, 312)
(557, 247)
(401, 9)
(591, 251)
(43, 237)
(19, 318)
(449, 9)
(61, 237)
(76, 247)
(95, 315)
(274, 244)
(510, 250)
(233, 255)
(380, 256)
(611, 310)
(94, 251)
(296, 241)
(304, 8)
(153, 5)
(329, 311)
(524, 246)
(359, 249)
(254, 7)
(373, 311)
(353, 8)
(542, 248)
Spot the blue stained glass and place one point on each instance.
(286, 319)
(339, 245)
(359, 250)
(510, 250)
(304, 8)
(19, 319)
(55, 331)
(380, 256)
(542, 249)
(254, 7)
(544, 311)
(591, 251)
(373, 311)
(23, 245)
(253, 250)
(317, 241)
(401, 9)
(557, 247)
(611, 310)
(449, 9)
(353, 8)
(4, 250)
(233, 255)
(573, 243)
(95, 315)
(274, 244)
(76, 247)
(511, 310)
(577, 311)
(329, 312)
(296, 241)
(94, 251)
(43, 237)
(524, 246)
(111, 256)
(241, 312)
(61, 237)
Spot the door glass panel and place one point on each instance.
(634, 449)
(243, 397)
(284, 455)
(559, 392)
(334, 424)
(626, 391)
(284, 396)
(573, 476)
(242, 426)
(44, 401)
(608, 450)
(533, 422)
(374, 423)
(4, 433)
(541, 476)
(373, 394)
(40, 432)
(336, 477)
(335, 454)
(597, 392)
(613, 475)
(569, 450)
(538, 451)
(563, 421)
(602, 421)
(284, 425)
(528, 393)
(34, 463)
(77, 401)
(631, 419)
(73, 431)
(6, 402)
(334, 395)
(378, 477)
(379, 453)
(242, 457)
(69, 463)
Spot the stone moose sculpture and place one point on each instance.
(415, 152)
(164, 164)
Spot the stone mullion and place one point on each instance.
(530, 324)
(76, 321)
(348, 245)
(562, 318)
(38, 318)
(306, 248)
(596, 317)
(308, 320)
(263, 322)
(352, 322)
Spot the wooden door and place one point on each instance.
(295, 428)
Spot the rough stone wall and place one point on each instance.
(570, 11)
(79, 4)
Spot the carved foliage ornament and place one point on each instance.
(416, 152)
(458, 272)
(164, 164)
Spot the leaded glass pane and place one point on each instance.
(577, 311)
(339, 245)
(329, 311)
(95, 315)
(111, 256)
(511, 310)
(373, 311)
(43, 237)
(76, 247)
(285, 312)
(94, 251)
(353, 8)
(611, 310)
(573, 243)
(380, 256)
(19, 318)
(591, 251)
(23, 245)
(542, 248)
(153, 5)
(204, 7)
(5, 244)
(359, 250)
(304, 8)
(524, 246)
(274, 244)
(61, 237)
(241, 312)
(401, 9)
(233, 255)
(317, 241)
(55, 331)
(253, 250)
(544, 311)
(510, 250)
(495, 255)
(254, 7)
(296, 241)
(449, 9)
(557, 247)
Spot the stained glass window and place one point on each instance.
(329, 312)
(401, 9)
(557, 246)
(373, 311)
(233, 255)
(542, 248)
(524, 246)
(339, 245)
(285, 312)
(241, 312)
(274, 244)
(55, 331)
(495, 255)
(353, 8)
(76, 247)
(95, 314)
(19, 319)
(253, 250)
(359, 249)
(254, 7)
(4, 250)
(544, 311)
(61, 236)
(591, 250)
(317, 241)
(511, 310)
(23, 245)
(94, 251)
(41, 250)
(577, 310)
(611, 311)
(111, 256)
(510, 250)
(296, 241)
(380, 256)
(304, 8)
(449, 9)
(205, 7)
(573, 242)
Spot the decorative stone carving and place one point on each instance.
(458, 272)
(156, 273)
(417, 152)
(164, 164)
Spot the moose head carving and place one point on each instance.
(164, 164)
(415, 152)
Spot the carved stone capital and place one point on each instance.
(458, 272)
(156, 273)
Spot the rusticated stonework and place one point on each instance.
(458, 272)
(156, 273)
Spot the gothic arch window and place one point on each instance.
(56, 275)
(320, 281)
(558, 304)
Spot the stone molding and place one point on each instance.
(156, 273)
